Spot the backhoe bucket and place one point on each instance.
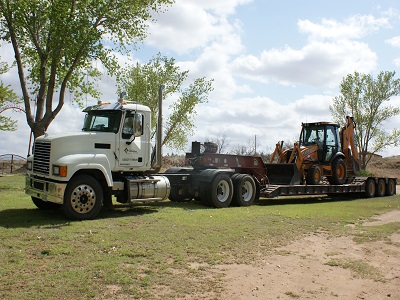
(283, 174)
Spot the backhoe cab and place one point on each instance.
(322, 150)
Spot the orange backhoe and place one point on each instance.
(323, 150)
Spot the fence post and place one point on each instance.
(12, 161)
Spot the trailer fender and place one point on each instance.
(208, 175)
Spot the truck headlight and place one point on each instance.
(60, 171)
(29, 165)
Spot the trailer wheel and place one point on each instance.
(390, 187)
(244, 190)
(370, 188)
(83, 198)
(219, 193)
(45, 205)
(380, 188)
(339, 172)
(313, 176)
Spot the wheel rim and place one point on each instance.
(247, 191)
(83, 198)
(317, 176)
(391, 187)
(223, 191)
(371, 185)
(381, 187)
(340, 171)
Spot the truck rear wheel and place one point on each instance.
(339, 172)
(380, 188)
(83, 198)
(177, 194)
(219, 192)
(45, 205)
(244, 192)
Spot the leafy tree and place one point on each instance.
(367, 100)
(141, 82)
(55, 43)
(8, 100)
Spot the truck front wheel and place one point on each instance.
(83, 198)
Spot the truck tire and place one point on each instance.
(339, 172)
(45, 205)
(244, 190)
(83, 198)
(390, 187)
(178, 194)
(219, 192)
(370, 188)
(313, 176)
(380, 188)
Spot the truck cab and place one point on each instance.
(112, 155)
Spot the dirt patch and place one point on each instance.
(318, 267)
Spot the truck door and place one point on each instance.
(132, 147)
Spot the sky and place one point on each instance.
(275, 64)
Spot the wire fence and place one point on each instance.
(12, 164)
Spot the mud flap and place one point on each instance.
(283, 174)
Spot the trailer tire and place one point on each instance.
(380, 188)
(313, 176)
(390, 187)
(45, 205)
(219, 192)
(83, 198)
(339, 172)
(244, 190)
(370, 188)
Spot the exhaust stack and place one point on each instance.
(158, 154)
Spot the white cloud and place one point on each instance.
(394, 41)
(318, 64)
(190, 24)
(354, 27)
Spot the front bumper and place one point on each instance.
(45, 190)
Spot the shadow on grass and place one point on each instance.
(34, 217)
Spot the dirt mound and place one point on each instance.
(385, 167)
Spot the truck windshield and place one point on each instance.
(100, 120)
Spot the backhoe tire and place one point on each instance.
(380, 188)
(45, 205)
(370, 188)
(390, 187)
(219, 192)
(339, 172)
(313, 176)
(83, 198)
(244, 190)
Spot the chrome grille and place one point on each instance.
(41, 158)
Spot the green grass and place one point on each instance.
(138, 250)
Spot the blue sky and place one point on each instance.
(275, 64)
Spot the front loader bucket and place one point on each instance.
(283, 174)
